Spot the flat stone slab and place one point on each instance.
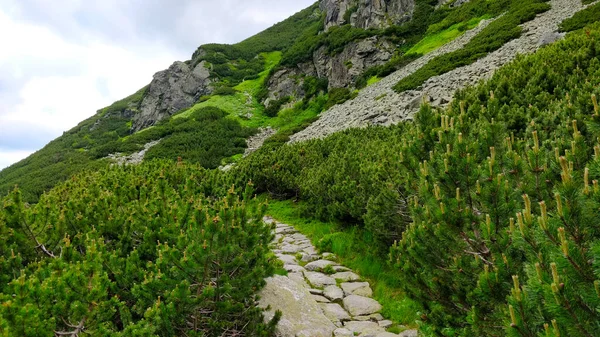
(309, 258)
(361, 306)
(346, 276)
(340, 268)
(302, 315)
(290, 249)
(321, 299)
(357, 288)
(319, 265)
(335, 312)
(318, 280)
(334, 293)
(342, 332)
(409, 333)
(386, 324)
(293, 268)
(364, 328)
(287, 259)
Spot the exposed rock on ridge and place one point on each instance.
(366, 13)
(171, 90)
(378, 104)
(341, 69)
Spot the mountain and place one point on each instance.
(445, 150)
(308, 63)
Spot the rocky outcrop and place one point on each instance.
(379, 104)
(341, 70)
(171, 90)
(366, 13)
(286, 82)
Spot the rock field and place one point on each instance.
(378, 104)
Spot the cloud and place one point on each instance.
(61, 63)
(7, 158)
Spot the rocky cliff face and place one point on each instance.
(366, 13)
(341, 69)
(171, 90)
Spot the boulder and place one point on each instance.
(293, 268)
(346, 276)
(342, 332)
(364, 328)
(385, 324)
(171, 90)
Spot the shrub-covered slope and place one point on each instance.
(489, 206)
(134, 251)
(239, 78)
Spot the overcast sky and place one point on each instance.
(61, 60)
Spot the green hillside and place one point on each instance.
(489, 206)
(240, 72)
(479, 219)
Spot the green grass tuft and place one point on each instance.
(433, 41)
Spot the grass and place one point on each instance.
(373, 80)
(432, 42)
(354, 249)
(238, 105)
(581, 18)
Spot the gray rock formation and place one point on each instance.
(171, 90)
(286, 82)
(340, 69)
(343, 68)
(366, 13)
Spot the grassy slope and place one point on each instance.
(433, 41)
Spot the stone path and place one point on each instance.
(319, 297)
(378, 104)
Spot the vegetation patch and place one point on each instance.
(134, 251)
(581, 18)
(434, 41)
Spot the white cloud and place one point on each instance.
(62, 61)
(9, 157)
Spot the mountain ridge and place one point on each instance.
(323, 61)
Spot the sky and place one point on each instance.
(62, 60)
